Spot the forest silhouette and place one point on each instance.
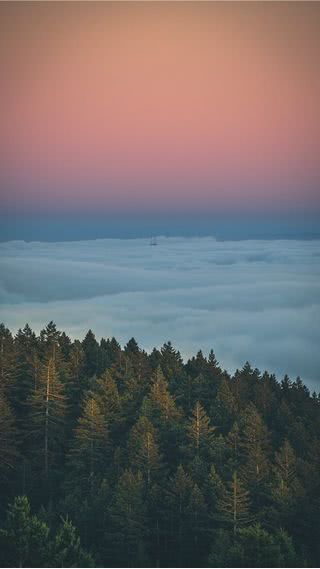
(113, 457)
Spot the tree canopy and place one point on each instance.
(110, 456)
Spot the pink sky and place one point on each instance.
(128, 106)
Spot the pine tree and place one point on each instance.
(106, 391)
(28, 366)
(159, 405)
(90, 449)
(132, 347)
(245, 382)
(254, 443)
(64, 343)
(8, 368)
(214, 490)
(179, 493)
(67, 550)
(128, 530)
(233, 442)
(157, 520)
(234, 504)
(77, 382)
(261, 548)
(109, 353)
(224, 406)
(285, 469)
(143, 449)
(155, 359)
(137, 360)
(24, 538)
(49, 338)
(47, 409)
(197, 365)
(205, 377)
(213, 362)
(198, 518)
(91, 351)
(180, 489)
(133, 385)
(8, 447)
(253, 546)
(171, 362)
(199, 430)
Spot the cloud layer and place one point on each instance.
(248, 300)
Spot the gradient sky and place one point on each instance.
(139, 107)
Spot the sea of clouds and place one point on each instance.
(248, 300)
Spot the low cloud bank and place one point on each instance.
(248, 300)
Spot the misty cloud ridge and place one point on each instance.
(255, 300)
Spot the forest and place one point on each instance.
(114, 457)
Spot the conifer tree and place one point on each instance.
(253, 546)
(287, 490)
(245, 381)
(128, 530)
(91, 351)
(157, 520)
(8, 450)
(254, 444)
(197, 365)
(133, 386)
(28, 367)
(132, 347)
(214, 490)
(171, 362)
(198, 519)
(109, 353)
(285, 469)
(180, 489)
(24, 538)
(47, 410)
(155, 359)
(179, 492)
(160, 407)
(106, 390)
(213, 362)
(90, 448)
(199, 430)
(8, 366)
(234, 504)
(64, 343)
(224, 406)
(77, 382)
(143, 449)
(67, 550)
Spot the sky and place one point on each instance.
(147, 109)
(197, 122)
(246, 300)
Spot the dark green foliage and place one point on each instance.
(26, 541)
(8, 451)
(90, 444)
(253, 547)
(24, 536)
(128, 521)
(234, 505)
(200, 433)
(137, 460)
(143, 449)
(67, 550)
